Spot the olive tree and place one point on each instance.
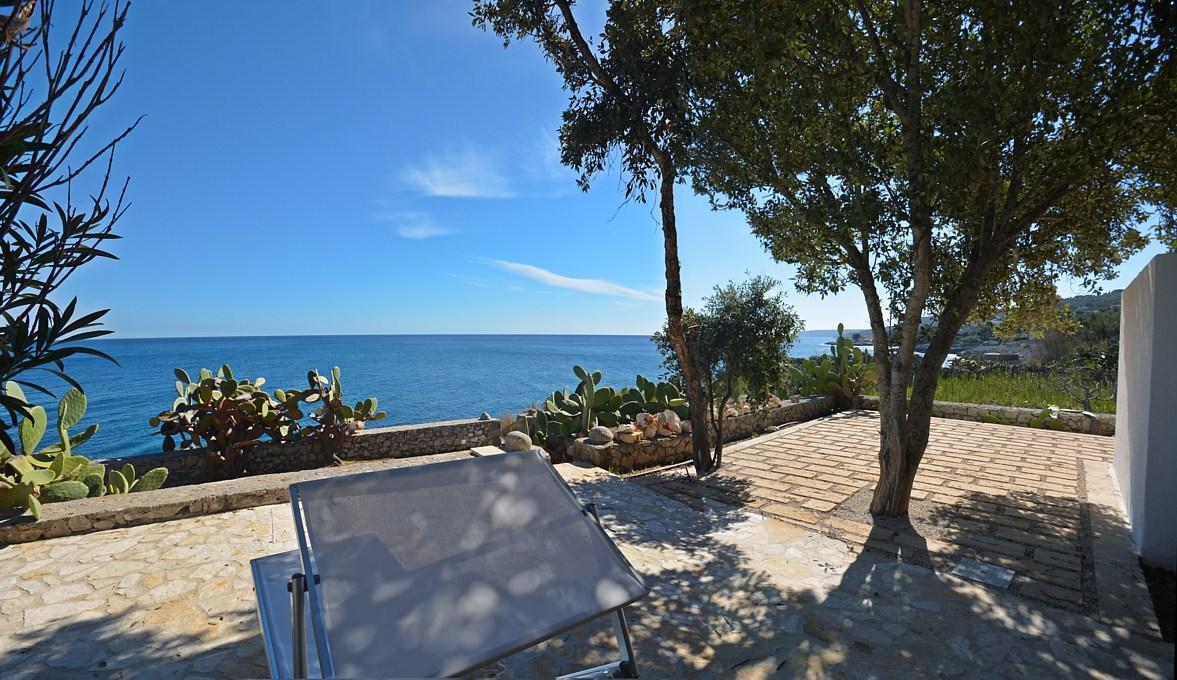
(56, 70)
(739, 341)
(628, 97)
(948, 159)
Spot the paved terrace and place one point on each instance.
(1033, 501)
(736, 593)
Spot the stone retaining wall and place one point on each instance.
(808, 408)
(623, 457)
(1071, 421)
(626, 457)
(130, 509)
(398, 441)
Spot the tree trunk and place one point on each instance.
(704, 463)
(906, 423)
(717, 427)
(902, 442)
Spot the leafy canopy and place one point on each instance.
(740, 339)
(627, 99)
(1016, 136)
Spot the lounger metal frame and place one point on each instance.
(304, 590)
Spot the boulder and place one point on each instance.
(648, 424)
(669, 424)
(517, 441)
(600, 435)
(484, 416)
(686, 426)
(628, 434)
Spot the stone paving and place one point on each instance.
(1010, 496)
(734, 594)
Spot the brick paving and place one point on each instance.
(1006, 495)
(734, 594)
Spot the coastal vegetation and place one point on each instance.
(933, 160)
(843, 374)
(634, 411)
(630, 97)
(51, 83)
(53, 474)
(1006, 386)
(227, 416)
(946, 164)
(740, 340)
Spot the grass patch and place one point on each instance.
(999, 388)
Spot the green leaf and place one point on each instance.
(182, 376)
(71, 409)
(34, 507)
(118, 483)
(39, 477)
(13, 390)
(32, 429)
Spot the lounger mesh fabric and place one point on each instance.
(435, 569)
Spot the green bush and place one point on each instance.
(570, 413)
(54, 474)
(228, 416)
(845, 373)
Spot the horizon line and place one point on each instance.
(421, 334)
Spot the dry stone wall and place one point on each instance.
(620, 456)
(398, 441)
(1071, 421)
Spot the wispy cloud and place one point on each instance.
(464, 173)
(595, 286)
(528, 168)
(414, 226)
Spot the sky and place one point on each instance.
(381, 167)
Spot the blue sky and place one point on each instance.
(379, 167)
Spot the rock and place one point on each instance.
(685, 426)
(484, 416)
(648, 424)
(517, 441)
(669, 424)
(600, 435)
(628, 434)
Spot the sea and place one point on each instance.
(416, 378)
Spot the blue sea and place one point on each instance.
(417, 378)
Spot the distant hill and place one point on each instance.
(1081, 304)
(977, 339)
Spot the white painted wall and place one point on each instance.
(1146, 410)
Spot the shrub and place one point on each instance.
(843, 373)
(54, 474)
(568, 413)
(227, 416)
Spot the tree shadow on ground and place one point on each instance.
(118, 646)
(726, 603)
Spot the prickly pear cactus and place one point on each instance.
(94, 484)
(151, 480)
(69, 490)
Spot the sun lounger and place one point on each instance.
(436, 570)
